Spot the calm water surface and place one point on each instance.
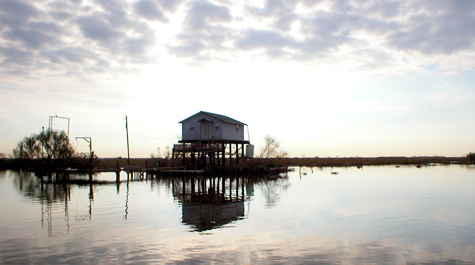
(374, 215)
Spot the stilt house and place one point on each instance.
(206, 126)
(210, 139)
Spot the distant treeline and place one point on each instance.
(107, 163)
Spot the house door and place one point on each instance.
(205, 130)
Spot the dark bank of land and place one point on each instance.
(374, 161)
(297, 161)
(110, 163)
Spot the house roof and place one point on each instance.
(217, 116)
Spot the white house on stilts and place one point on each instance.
(212, 140)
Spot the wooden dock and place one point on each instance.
(166, 171)
(94, 170)
(140, 173)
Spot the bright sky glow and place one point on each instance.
(326, 78)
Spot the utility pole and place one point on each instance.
(56, 116)
(91, 154)
(128, 149)
(89, 140)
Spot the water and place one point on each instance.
(374, 215)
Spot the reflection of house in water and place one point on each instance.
(210, 203)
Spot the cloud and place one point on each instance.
(436, 27)
(16, 56)
(203, 14)
(99, 29)
(205, 30)
(414, 31)
(77, 36)
(263, 38)
(68, 54)
(32, 38)
(280, 12)
(16, 12)
(149, 10)
(62, 37)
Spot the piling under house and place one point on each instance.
(212, 140)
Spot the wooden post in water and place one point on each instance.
(237, 186)
(218, 161)
(91, 158)
(128, 150)
(183, 152)
(230, 155)
(237, 154)
(223, 155)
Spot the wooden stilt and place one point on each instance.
(237, 154)
(223, 156)
(230, 155)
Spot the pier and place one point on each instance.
(137, 173)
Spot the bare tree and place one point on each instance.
(167, 153)
(272, 149)
(158, 155)
(51, 144)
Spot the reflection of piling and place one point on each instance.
(127, 202)
(210, 202)
(91, 199)
(117, 177)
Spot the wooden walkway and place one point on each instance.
(141, 173)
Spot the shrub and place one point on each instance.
(471, 157)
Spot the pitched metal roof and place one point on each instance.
(219, 117)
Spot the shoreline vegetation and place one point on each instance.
(51, 150)
(110, 163)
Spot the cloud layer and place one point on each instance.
(80, 37)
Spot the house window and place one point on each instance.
(216, 127)
(192, 127)
(237, 128)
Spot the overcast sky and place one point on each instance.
(324, 77)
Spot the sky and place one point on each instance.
(323, 77)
